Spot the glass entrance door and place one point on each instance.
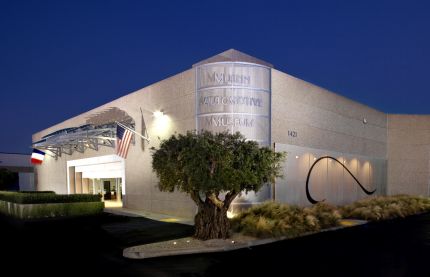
(109, 189)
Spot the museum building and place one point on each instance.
(338, 150)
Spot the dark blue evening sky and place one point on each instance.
(61, 58)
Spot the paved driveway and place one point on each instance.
(94, 245)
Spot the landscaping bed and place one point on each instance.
(282, 220)
(31, 205)
(386, 207)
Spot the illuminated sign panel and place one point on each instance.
(234, 96)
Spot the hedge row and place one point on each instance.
(37, 191)
(46, 197)
(31, 211)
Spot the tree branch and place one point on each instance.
(214, 199)
(212, 168)
(229, 197)
(196, 198)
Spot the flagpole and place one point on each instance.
(143, 121)
(131, 130)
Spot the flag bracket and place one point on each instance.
(133, 131)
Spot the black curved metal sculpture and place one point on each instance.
(308, 194)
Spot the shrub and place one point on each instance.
(386, 207)
(274, 220)
(8, 180)
(46, 197)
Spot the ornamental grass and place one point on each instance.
(281, 220)
(386, 207)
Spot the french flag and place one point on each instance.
(37, 156)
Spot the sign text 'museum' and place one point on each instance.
(223, 121)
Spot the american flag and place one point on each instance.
(123, 139)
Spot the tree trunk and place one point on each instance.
(211, 222)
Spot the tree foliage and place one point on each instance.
(8, 179)
(206, 165)
(214, 163)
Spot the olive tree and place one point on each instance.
(213, 169)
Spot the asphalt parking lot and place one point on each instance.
(93, 245)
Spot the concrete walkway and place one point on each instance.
(190, 245)
(154, 216)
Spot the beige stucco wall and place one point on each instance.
(176, 96)
(326, 124)
(324, 120)
(408, 154)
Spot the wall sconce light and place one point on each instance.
(158, 114)
(364, 120)
(161, 123)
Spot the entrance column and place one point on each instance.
(78, 182)
(94, 186)
(71, 179)
(85, 185)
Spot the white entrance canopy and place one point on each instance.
(109, 166)
(106, 170)
(68, 140)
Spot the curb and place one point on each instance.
(153, 216)
(132, 254)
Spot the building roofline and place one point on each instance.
(232, 55)
(12, 153)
